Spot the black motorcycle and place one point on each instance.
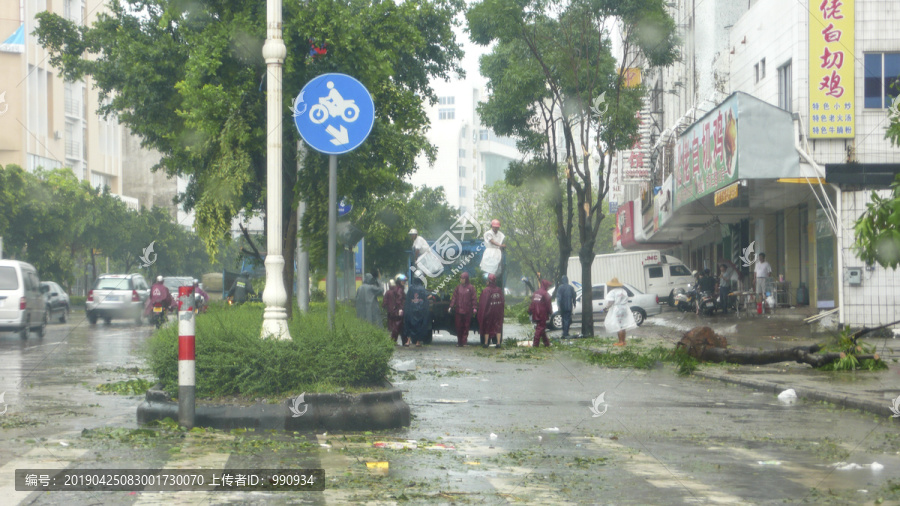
(706, 304)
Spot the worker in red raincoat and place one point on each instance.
(393, 306)
(540, 310)
(491, 306)
(463, 301)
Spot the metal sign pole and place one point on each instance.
(331, 284)
(302, 255)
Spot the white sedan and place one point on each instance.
(642, 305)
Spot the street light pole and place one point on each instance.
(274, 295)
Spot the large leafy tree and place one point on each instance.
(57, 222)
(551, 63)
(877, 231)
(528, 223)
(187, 77)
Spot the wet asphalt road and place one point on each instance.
(657, 438)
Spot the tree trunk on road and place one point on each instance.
(799, 354)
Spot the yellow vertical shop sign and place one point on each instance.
(832, 107)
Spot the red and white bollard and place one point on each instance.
(187, 384)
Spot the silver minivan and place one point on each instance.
(22, 306)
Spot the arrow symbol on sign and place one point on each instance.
(340, 136)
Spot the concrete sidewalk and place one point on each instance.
(873, 392)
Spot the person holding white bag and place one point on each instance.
(619, 318)
(492, 259)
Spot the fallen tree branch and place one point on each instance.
(799, 354)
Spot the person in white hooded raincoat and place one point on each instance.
(619, 318)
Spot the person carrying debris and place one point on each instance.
(463, 301)
(540, 310)
(491, 307)
(619, 318)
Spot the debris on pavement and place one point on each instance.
(844, 466)
(404, 365)
(450, 401)
(789, 396)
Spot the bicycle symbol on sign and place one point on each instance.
(334, 105)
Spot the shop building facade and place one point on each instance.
(762, 136)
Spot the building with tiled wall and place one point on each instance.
(794, 170)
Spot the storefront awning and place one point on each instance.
(15, 43)
(742, 138)
(736, 162)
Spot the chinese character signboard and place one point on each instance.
(706, 154)
(832, 108)
(636, 166)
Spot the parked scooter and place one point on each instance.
(706, 304)
(685, 300)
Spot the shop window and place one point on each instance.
(882, 79)
(655, 272)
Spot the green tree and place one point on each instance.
(877, 231)
(550, 68)
(387, 220)
(528, 223)
(186, 76)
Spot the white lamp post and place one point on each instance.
(274, 295)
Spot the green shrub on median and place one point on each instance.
(232, 360)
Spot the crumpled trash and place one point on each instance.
(404, 365)
(769, 462)
(493, 436)
(450, 401)
(551, 429)
(524, 344)
(789, 396)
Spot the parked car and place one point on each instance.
(22, 307)
(117, 296)
(642, 305)
(57, 301)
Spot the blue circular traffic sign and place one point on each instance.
(334, 113)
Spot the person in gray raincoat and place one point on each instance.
(367, 307)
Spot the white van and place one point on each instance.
(649, 271)
(22, 306)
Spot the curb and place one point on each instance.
(803, 392)
(365, 411)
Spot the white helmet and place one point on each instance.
(159, 279)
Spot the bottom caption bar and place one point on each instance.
(161, 480)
